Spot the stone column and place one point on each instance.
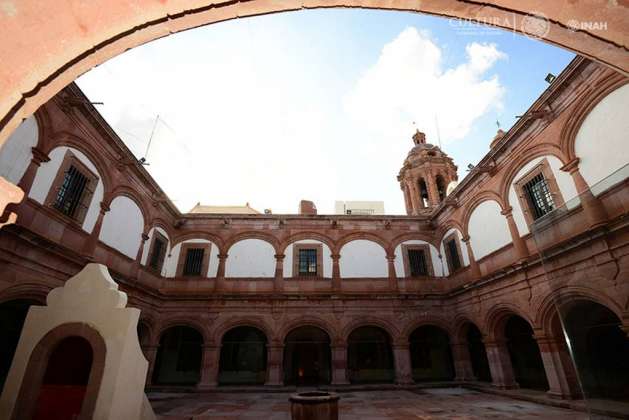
(90, 244)
(415, 199)
(403, 369)
(521, 250)
(220, 273)
(393, 286)
(433, 194)
(278, 282)
(336, 272)
(38, 158)
(474, 268)
(592, 206)
(408, 201)
(339, 364)
(559, 382)
(275, 359)
(500, 365)
(209, 366)
(138, 257)
(150, 352)
(462, 362)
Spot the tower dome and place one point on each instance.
(425, 175)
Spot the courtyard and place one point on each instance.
(442, 403)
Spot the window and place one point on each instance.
(158, 251)
(453, 252)
(417, 260)
(194, 259)
(307, 260)
(538, 192)
(194, 262)
(73, 188)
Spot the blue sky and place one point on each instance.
(316, 104)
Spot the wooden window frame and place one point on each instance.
(543, 167)
(315, 246)
(70, 159)
(156, 234)
(183, 252)
(407, 263)
(446, 239)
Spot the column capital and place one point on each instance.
(104, 207)
(145, 237)
(390, 257)
(508, 211)
(39, 156)
(335, 257)
(279, 257)
(466, 238)
(222, 256)
(571, 166)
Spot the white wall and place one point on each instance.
(123, 226)
(170, 265)
(564, 182)
(15, 154)
(434, 257)
(327, 258)
(464, 257)
(602, 143)
(48, 171)
(363, 258)
(250, 258)
(488, 229)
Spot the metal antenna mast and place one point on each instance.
(148, 146)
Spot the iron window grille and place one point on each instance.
(454, 254)
(417, 262)
(194, 262)
(539, 196)
(157, 255)
(307, 262)
(69, 198)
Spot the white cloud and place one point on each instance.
(408, 84)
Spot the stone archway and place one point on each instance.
(307, 356)
(243, 359)
(43, 55)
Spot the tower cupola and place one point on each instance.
(425, 176)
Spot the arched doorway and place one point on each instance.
(65, 380)
(526, 358)
(243, 357)
(12, 316)
(441, 187)
(307, 357)
(600, 349)
(369, 356)
(478, 353)
(178, 360)
(431, 356)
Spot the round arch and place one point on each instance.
(243, 356)
(570, 129)
(475, 202)
(62, 138)
(304, 236)
(216, 240)
(370, 355)
(370, 321)
(132, 195)
(539, 150)
(179, 356)
(398, 240)
(307, 321)
(444, 228)
(177, 322)
(161, 223)
(431, 321)
(272, 240)
(496, 318)
(221, 329)
(367, 236)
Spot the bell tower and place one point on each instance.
(425, 175)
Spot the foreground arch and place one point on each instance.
(307, 357)
(178, 357)
(243, 358)
(37, 64)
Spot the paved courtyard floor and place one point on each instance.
(426, 404)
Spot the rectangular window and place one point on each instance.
(193, 265)
(68, 200)
(538, 196)
(307, 262)
(72, 189)
(453, 254)
(417, 262)
(158, 252)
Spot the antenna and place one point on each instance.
(438, 133)
(148, 146)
